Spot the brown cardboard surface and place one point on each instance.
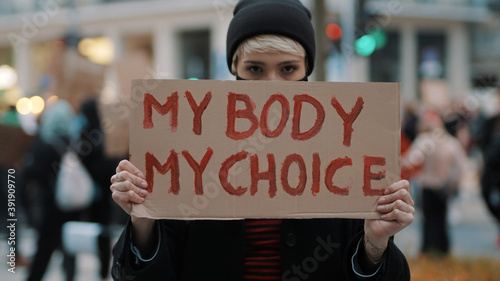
(319, 171)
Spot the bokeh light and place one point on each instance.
(24, 106)
(52, 99)
(333, 31)
(98, 50)
(38, 104)
(365, 45)
(380, 38)
(8, 77)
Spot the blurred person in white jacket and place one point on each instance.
(443, 160)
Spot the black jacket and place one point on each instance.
(313, 249)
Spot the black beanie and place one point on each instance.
(289, 18)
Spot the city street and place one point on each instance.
(112, 79)
(471, 227)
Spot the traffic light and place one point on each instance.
(380, 37)
(334, 33)
(370, 35)
(368, 43)
(365, 45)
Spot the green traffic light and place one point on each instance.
(380, 38)
(365, 45)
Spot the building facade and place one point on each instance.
(452, 40)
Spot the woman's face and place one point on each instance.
(271, 66)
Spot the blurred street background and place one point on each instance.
(78, 56)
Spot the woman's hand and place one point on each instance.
(128, 186)
(397, 209)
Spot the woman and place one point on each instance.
(267, 40)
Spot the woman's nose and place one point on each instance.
(273, 76)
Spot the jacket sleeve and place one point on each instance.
(126, 265)
(394, 268)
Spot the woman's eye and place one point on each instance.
(289, 68)
(254, 69)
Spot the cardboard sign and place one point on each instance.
(264, 149)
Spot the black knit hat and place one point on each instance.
(289, 18)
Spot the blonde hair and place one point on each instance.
(268, 43)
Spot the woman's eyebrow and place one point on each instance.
(254, 62)
(289, 62)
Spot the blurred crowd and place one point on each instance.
(77, 121)
(440, 138)
(450, 146)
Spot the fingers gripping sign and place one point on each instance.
(128, 186)
(397, 211)
(397, 204)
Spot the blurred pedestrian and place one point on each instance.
(409, 132)
(443, 160)
(101, 168)
(456, 122)
(490, 177)
(41, 166)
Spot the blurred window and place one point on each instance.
(384, 63)
(195, 57)
(487, 40)
(431, 55)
